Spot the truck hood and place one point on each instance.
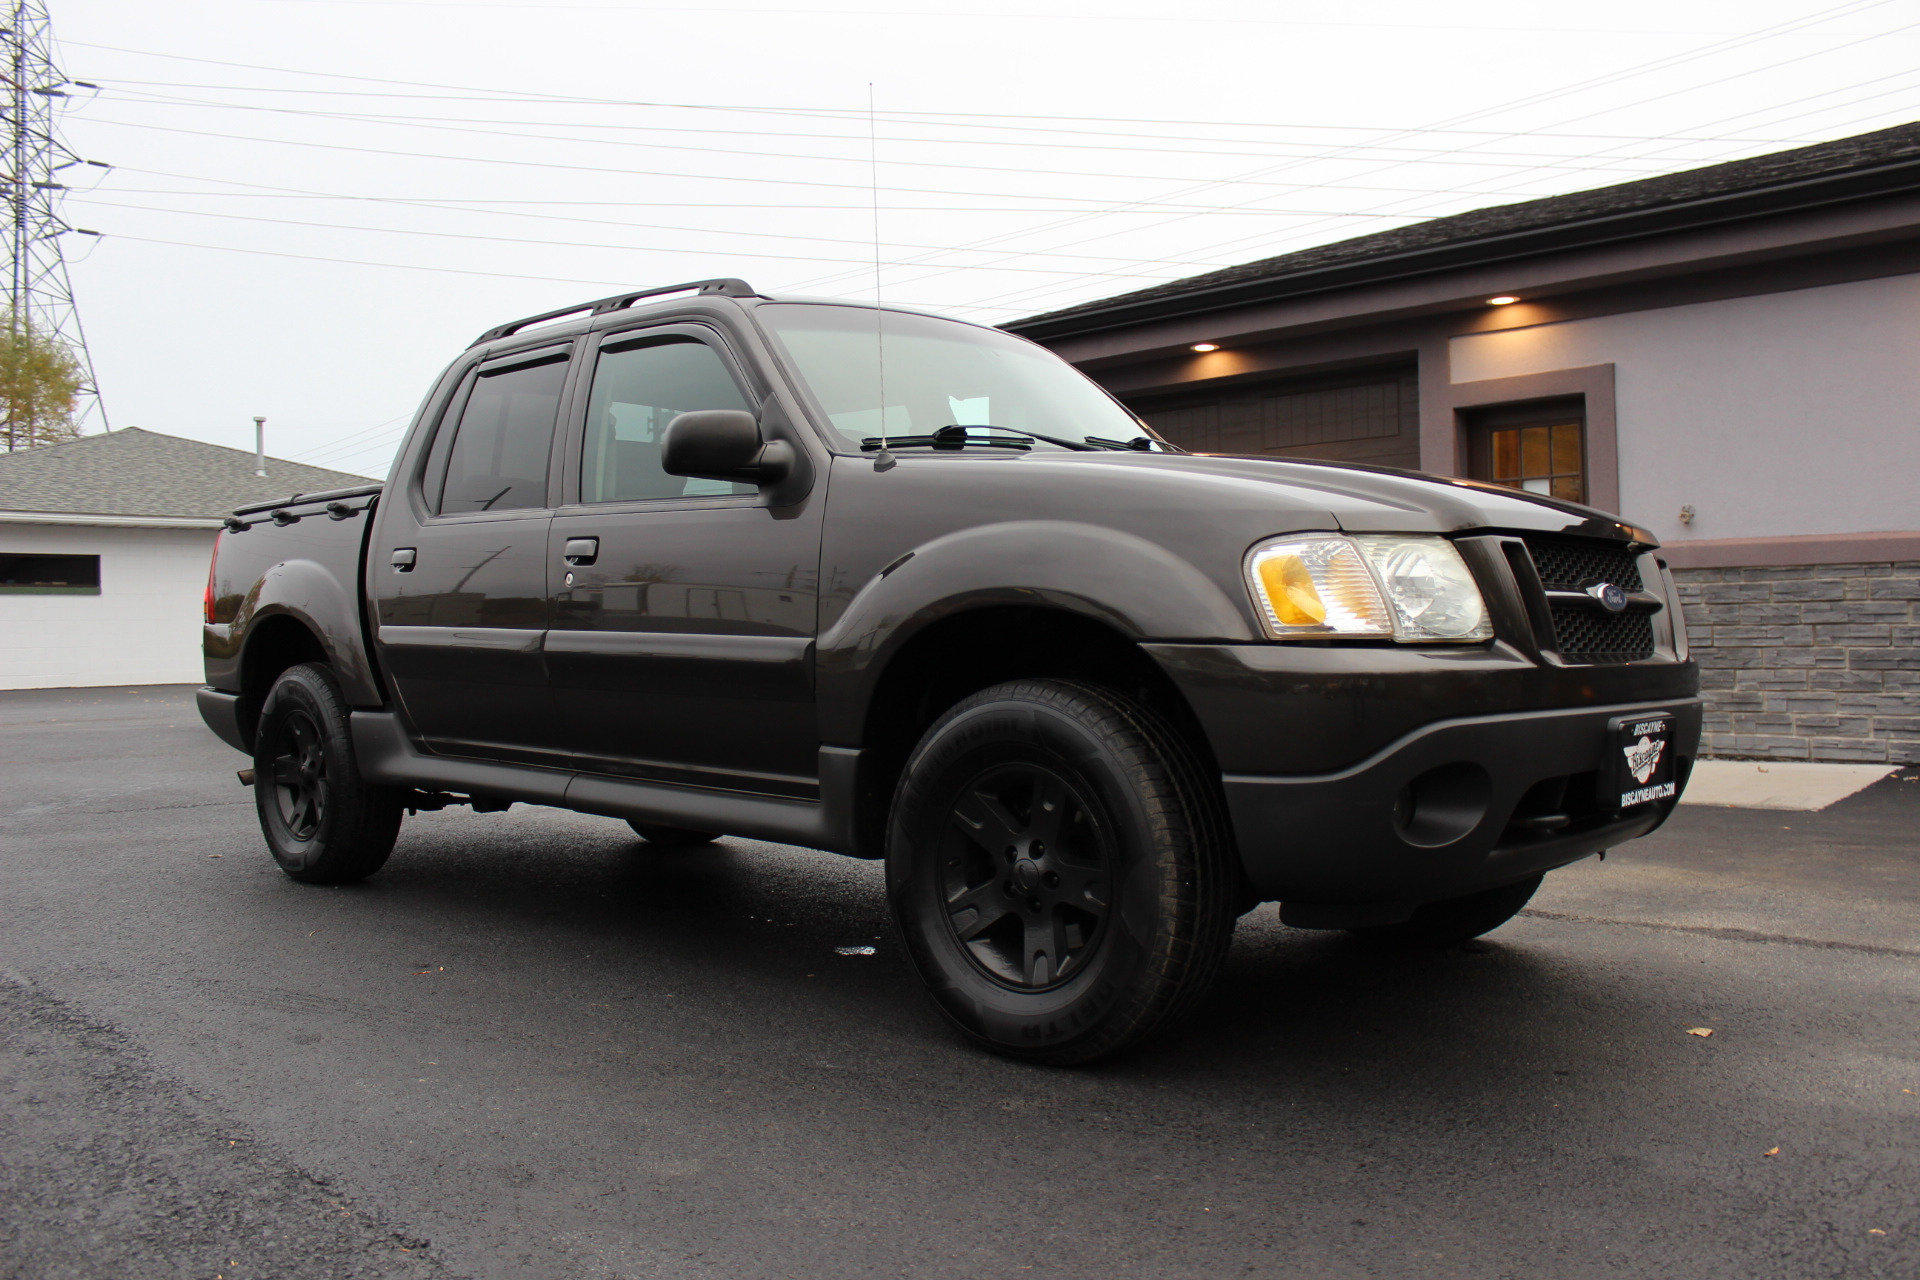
(1364, 499)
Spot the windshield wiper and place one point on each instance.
(1087, 445)
(953, 437)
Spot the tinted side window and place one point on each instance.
(500, 448)
(637, 391)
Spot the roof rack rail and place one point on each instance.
(725, 286)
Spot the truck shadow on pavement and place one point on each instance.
(759, 928)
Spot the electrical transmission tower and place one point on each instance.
(39, 301)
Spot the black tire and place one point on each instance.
(1067, 952)
(671, 837)
(323, 824)
(1442, 924)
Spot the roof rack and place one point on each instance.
(726, 287)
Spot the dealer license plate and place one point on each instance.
(1640, 759)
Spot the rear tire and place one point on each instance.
(1442, 924)
(323, 823)
(671, 837)
(1057, 870)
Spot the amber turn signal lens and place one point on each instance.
(1296, 602)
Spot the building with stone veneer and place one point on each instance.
(1726, 356)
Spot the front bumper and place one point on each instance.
(1457, 806)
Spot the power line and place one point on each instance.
(1300, 233)
(577, 244)
(1537, 159)
(849, 114)
(494, 161)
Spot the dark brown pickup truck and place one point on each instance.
(892, 585)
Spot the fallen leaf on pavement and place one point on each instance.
(1702, 1032)
(1771, 1151)
(1875, 1231)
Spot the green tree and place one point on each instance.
(40, 382)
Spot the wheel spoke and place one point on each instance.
(1049, 808)
(286, 771)
(987, 904)
(982, 817)
(1044, 950)
(1083, 887)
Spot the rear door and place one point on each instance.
(681, 640)
(459, 575)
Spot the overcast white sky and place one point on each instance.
(315, 204)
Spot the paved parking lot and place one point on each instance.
(529, 1048)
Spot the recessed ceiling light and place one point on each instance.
(1501, 300)
(1206, 346)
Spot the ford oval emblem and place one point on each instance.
(1613, 597)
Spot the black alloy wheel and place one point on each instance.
(298, 783)
(1026, 871)
(324, 824)
(1057, 871)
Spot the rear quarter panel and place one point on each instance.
(307, 572)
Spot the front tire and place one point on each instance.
(323, 823)
(1057, 871)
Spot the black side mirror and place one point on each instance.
(723, 444)
(732, 444)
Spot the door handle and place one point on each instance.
(581, 550)
(402, 559)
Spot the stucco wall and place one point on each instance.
(143, 627)
(1780, 414)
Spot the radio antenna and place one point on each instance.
(883, 458)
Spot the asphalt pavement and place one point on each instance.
(531, 1047)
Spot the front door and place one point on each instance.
(459, 569)
(681, 640)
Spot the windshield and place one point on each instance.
(941, 373)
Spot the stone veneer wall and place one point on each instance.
(1812, 662)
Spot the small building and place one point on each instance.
(105, 544)
(1728, 356)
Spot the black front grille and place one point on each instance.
(1583, 631)
(1586, 634)
(1574, 564)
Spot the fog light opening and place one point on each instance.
(1442, 805)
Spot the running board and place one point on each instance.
(388, 757)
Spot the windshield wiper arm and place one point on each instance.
(1088, 445)
(955, 430)
(952, 437)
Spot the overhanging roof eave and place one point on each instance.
(1699, 213)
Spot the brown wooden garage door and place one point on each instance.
(1370, 415)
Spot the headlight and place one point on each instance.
(1317, 587)
(1411, 588)
(1432, 591)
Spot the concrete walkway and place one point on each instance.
(1804, 785)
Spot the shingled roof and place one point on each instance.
(1861, 167)
(130, 472)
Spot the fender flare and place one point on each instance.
(1130, 584)
(309, 594)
